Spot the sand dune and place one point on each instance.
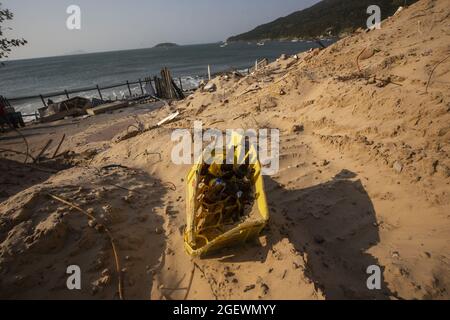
(366, 182)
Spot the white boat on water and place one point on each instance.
(262, 43)
(223, 45)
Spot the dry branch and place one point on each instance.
(111, 239)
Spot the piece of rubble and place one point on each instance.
(249, 288)
(92, 223)
(400, 9)
(264, 289)
(210, 87)
(319, 239)
(325, 163)
(298, 128)
(398, 167)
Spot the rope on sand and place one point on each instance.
(111, 239)
(357, 59)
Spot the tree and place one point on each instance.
(7, 44)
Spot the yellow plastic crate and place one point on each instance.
(242, 232)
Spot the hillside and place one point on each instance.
(335, 16)
(364, 181)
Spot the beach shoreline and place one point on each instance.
(55, 74)
(363, 182)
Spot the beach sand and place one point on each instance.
(366, 182)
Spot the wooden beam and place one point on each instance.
(142, 88)
(129, 88)
(43, 101)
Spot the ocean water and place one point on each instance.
(54, 74)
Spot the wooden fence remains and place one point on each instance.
(4, 101)
(163, 87)
(166, 87)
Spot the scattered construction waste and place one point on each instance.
(166, 87)
(226, 204)
(210, 87)
(72, 107)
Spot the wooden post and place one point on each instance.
(209, 72)
(142, 88)
(181, 84)
(67, 94)
(129, 88)
(99, 93)
(153, 84)
(256, 65)
(43, 101)
(157, 87)
(59, 146)
(5, 101)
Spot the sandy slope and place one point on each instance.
(365, 183)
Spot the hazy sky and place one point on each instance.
(127, 24)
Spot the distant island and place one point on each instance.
(166, 45)
(75, 53)
(324, 19)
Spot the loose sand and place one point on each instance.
(365, 183)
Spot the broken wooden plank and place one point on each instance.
(107, 107)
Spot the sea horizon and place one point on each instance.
(68, 54)
(188, 64)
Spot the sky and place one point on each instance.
(108, 25)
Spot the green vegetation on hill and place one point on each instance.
(328, 17)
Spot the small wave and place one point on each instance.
(31, 106)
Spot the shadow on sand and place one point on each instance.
(15, 177)
(334, 224)
(68, 240)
